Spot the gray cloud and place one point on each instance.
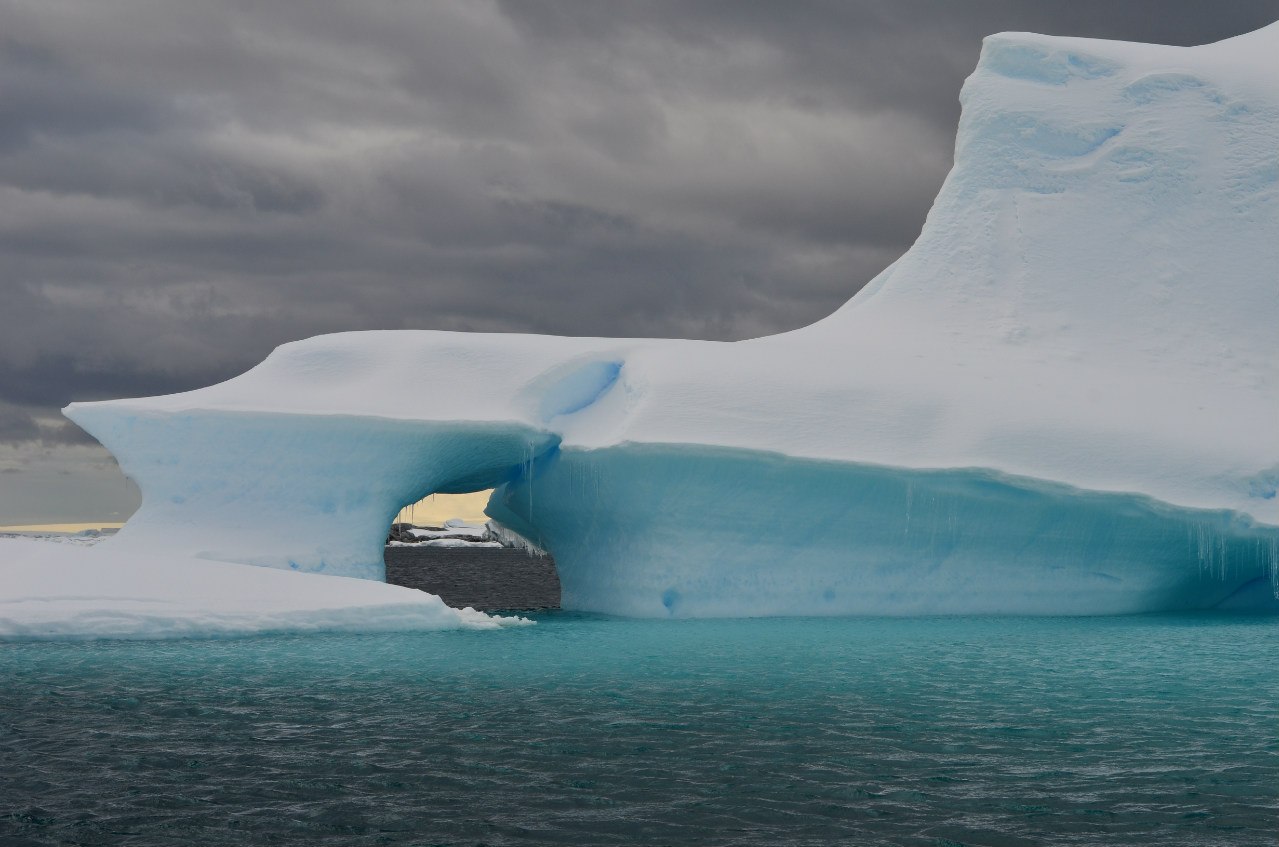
(18, 426)
(184, 186)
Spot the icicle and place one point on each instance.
(1274, 566)
(1201, 548)
(529, 478)
(910, 494)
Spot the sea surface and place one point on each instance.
(588, 730)
(480, 577)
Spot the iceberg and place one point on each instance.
(1061, 400)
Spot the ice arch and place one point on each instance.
(1062, 399)
(315, 490)
(314, 493)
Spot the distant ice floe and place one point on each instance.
(455, 533)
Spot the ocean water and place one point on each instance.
(588, 730)
(480, 577)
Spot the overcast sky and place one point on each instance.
(186, 185)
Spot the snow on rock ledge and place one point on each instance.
(1091, 307)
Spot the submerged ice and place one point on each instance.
(1062, 399)
(59, 591)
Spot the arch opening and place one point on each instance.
(447, 544)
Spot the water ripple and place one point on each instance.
(1152, 730)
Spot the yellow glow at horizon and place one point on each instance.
(434, 510)
(437, 508)
(61, 527)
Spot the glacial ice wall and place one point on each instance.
(1062, 399)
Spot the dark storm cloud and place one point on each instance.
(184, 186)
(18, 426)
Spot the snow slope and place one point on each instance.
(1086, 321)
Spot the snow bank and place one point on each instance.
(1091, 305)
(57, 591)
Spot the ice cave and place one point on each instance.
(1064, 399)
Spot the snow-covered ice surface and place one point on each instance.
(60, 591)
(1062, 399)
(446, 542)
(453, 528)
(77, 539)
(456, 533)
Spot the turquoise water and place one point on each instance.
(581, 730)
